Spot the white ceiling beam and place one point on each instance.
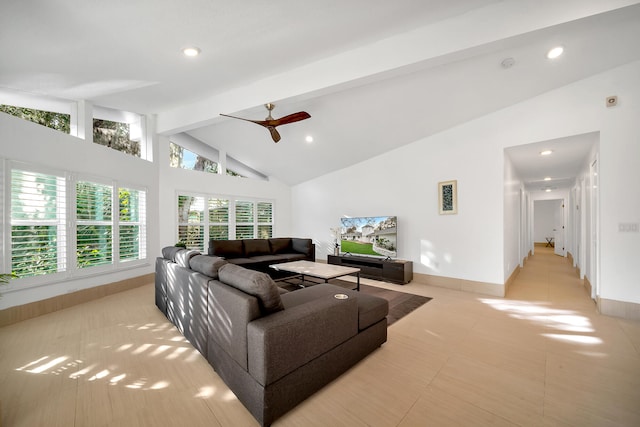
(427, 46)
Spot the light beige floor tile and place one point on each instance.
(512, 397)
(541, 356)
(439, 409)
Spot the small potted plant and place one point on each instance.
(181, 244)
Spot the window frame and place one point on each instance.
(141, 223)
(93, 222)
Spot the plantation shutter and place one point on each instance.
(38, 233)
(244, 220)
(191, 221)
(218, 219)
(131, 228)
(94, 230)
(265, 220)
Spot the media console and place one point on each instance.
(394, 271)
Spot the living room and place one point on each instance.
(479, 249)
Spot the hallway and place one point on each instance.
(551, 278)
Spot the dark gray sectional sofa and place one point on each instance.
(271, 347)
(259, 254)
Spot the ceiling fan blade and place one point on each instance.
(291, 118)
(271, 123)
(274, 133)
(258, 122)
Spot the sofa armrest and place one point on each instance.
(283, 341)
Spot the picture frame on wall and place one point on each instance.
(448, 197)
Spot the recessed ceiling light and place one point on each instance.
(309, 138)
(545, 152)
(548, 178)
(548, 190)
(191, 51)
(555, 52)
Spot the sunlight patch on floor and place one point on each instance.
(576, 339)
(539, 313)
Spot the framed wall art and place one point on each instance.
(448, 197)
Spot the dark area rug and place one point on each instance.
(400, 303)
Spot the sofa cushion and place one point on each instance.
(253, 247)
(253, 283)
(226, 248)
(280, 245)
(242, 261)
(302, 245)
(184, 256)
(371, 309)
(207, 265)
(170, 252)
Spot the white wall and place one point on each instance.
(404, 183)
(514, 246)
(24, 141)
(470, 245)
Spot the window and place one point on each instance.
(202, 217)
(234, 173)
(132, 231)
(94, 230)
(245, 219)
(49, 237)
(180, 157)
(116, 135)
(265, 219)
(191, 222)
(38, 221)
(50, 119)
(218, 219)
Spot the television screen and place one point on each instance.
(371, 235)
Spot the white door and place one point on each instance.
(558, 228)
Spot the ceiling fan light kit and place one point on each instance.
(270, 123)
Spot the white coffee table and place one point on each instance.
(317, 270)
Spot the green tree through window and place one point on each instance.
(57, 121)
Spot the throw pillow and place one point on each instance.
(207, 265)
(183, 257)
(170, 252)
(253, 283)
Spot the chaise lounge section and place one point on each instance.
(273, 348)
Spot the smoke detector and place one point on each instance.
(508, 63)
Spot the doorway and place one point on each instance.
(549, 224)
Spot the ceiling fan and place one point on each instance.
(270, 123)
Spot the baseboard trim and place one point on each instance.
(483, 288)
(622, 309)
(511, 279)
(19, 313)
(587, 286)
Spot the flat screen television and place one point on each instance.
(374, 236)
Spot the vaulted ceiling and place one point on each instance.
(373, 74)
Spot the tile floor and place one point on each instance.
(542, 356)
